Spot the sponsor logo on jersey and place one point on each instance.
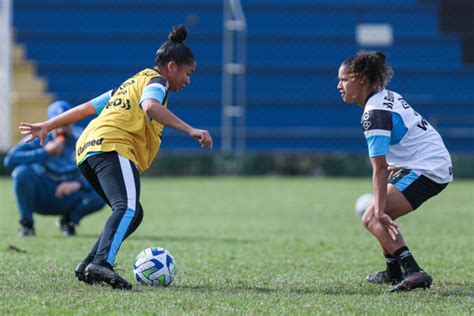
(94, 142)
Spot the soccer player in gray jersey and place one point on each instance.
(409, 160)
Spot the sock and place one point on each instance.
(394, 270)
(26, 223)
(406, 260)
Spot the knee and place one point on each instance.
(139, 214)
(22, 175)
(368, 217)
(119, 206)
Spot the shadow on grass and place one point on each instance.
(179, 238)
(254, 290)
(461, 289)
(241, 289)
(464, 289)
(454, 289)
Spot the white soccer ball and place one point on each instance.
(363, 203)
(155, 266)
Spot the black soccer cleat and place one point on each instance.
(80, 272)
(26, 231)
(67, 228)
(382, 277)
(414, 280)
(97, 273)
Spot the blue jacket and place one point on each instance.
(59, 168)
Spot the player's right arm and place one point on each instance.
(377, 126)
(41, 130)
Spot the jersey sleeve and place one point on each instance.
(377, 127)
(26, 153)
(156, 89)
(100, 102)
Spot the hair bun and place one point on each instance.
(178, 33)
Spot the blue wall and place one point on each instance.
(86, 47)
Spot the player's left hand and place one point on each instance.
(39, 130)
(202, 136)
(66, 188)
(390, 225)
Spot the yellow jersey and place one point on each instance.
(123, 126)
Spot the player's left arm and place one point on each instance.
(152, 100)
(158, 112)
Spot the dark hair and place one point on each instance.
(371, 65)
(174, 49)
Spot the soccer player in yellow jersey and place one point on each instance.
(122, 142)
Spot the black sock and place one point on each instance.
(394, 270)
(26, 223)
(406, 260)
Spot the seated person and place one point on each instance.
(46, 179)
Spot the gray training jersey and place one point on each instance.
(392, 128)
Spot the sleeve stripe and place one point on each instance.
(378, 145)
(377, 132)
(156, 86)
(153, 92)
(101, 101)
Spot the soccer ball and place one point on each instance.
(154, 266)
(363, 203)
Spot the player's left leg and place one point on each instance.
(412, 189)
(406, 191)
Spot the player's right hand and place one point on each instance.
(39, 130)
(202, 136)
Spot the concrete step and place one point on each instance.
(20, 66)
(18, 52)
(30, 100)
(27, 84)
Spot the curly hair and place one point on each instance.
(371, 65)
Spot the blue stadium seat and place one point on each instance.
(86, 47)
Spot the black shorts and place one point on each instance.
(416, 188)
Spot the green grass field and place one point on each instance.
(246, 246)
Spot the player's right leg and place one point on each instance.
(120, 182)
(392, 273)
(91, 177)
(25, 187)
(396, 206)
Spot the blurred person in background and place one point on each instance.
(409, 159)
(46, 179)
(122, 142)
